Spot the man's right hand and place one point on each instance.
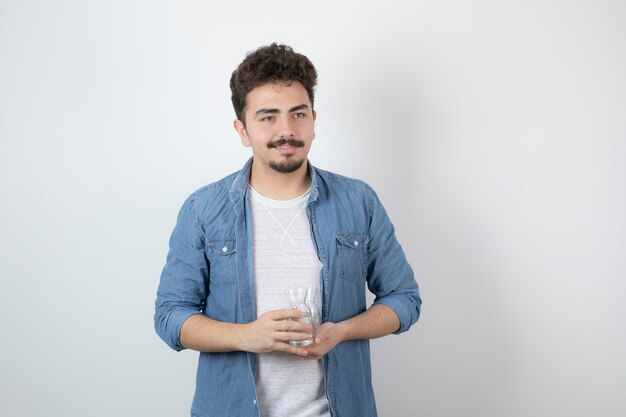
(272, 331)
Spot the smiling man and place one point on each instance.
(278, 224)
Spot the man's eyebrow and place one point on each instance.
(266, 111)
(274, 111)
(300, 107)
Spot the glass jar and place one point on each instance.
(316, 311)
(297, 301)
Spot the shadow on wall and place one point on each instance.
(389, 133)
(461, 333)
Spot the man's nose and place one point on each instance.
(285, 127)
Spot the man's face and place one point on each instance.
(279, 126)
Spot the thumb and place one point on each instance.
(319, 336)
(323, 332)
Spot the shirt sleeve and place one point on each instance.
(389, 275)
(182, 288)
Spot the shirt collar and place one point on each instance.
(240, 186)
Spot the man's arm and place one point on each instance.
(182, 289)
(377, 321)
(270, 332)
(390, 278)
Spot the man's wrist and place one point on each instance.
(237, 337)
(344, 329)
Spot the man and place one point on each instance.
(278, 224)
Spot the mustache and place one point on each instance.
(283, 141)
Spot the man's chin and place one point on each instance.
(286, 167)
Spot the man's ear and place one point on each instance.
(314, 115)
(241, 130)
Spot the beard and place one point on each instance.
(286, 167)
(290, 165)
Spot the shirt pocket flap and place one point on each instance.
(353, 241)
(221, 246)
(352, 256)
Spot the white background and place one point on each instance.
(493, 131)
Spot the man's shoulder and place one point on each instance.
(339, 182)
(217, 187)
(211, 197)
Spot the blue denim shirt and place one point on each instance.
(209, 271)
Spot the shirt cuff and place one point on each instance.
(406, 311)
(174, 324)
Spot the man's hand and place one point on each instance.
(379, 320)
(272, 332)
(328, 336)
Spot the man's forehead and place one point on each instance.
(279, 95)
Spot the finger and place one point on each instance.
(286, 313)
(292, 336)
(293, 326)
(294, 350)
(314, 352)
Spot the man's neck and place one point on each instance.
(277, 185)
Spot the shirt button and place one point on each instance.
(224, 249)
(254, 401)
(356, 243)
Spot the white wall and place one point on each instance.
(493, 131)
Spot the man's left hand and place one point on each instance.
(328, 336)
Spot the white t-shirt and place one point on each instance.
(284, 258)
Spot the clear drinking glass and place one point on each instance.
(297, 300)
(311, 302)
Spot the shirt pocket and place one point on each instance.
(352, 256)
(221, 253)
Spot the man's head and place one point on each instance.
(273, 98)
(270, 64)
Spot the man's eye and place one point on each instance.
(267, 119)
(299, 115)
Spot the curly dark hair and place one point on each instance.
(270, 64)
